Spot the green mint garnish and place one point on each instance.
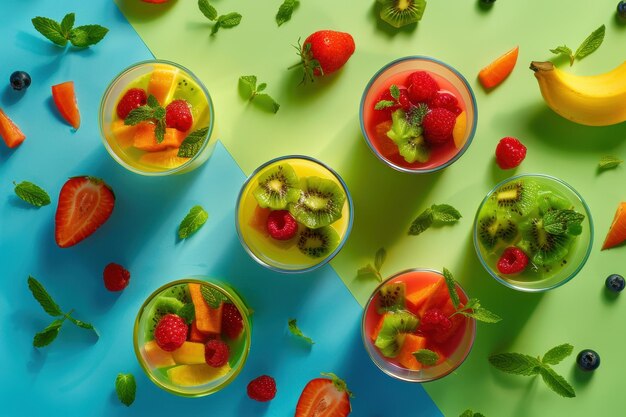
(588, 46)
(369, 270)
(609, 161)
(437, 214)
(560, 222)
(207, 10)
(384, 104)
(470, 413)
(451, 284)
(252, 92)
(285, 11)
(426, 357)
(416, 115)
(152, 112)
(196, 217)
(43, 298)
(521, 364)
(472, 309)
(293, 328)
(60, 33)
(125, 387)
(32, 194)
(193, 143)
(395, 91)
(227, 21)
(47, 335)
(187, 312)
(212, 296)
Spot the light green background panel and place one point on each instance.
(321, 120)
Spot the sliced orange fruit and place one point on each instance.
(65, 100)
(496, 72)
(163, 159)
(412, 343)
(145, 138)
(161, 84)
(124, 134)
(9, 131)
(458, 134)
(617, 232)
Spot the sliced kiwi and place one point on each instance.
(169, 301)
(399, 13)
(494, 227)
(547, 200)
(391, 335)
(278, 186)
(317, 243)
(320, 204)
(544, 248)
(414, 149)
(517, 197)
(391, 297)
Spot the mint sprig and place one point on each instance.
(193, 221)
(426, 357)
(526, 365)
(61, 33)
(437, 214)
(589, 45)
(229, 20)
(285, 11)
(473, 308)
(369, 270)
(187, 312)
(150, 112)
(293, 328)
(252, 92)
(609, 161)
(126, 388)
(560, 222)
(32, 194)
(470, 413)
(47, 335)
(192, 143)
(212, 296)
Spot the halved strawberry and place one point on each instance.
(65, 100)
(85, 203)
(323, 397)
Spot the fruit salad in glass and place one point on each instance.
(412, 330)
(418, 114)
(533, 232)
(294, 214)
(156, 118)
(192, 336)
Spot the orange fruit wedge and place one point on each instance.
(617, 232)
(9, 131)
(65, 100)
(458, 134)
(496, 72)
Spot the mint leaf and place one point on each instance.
(369, 271)
(193, 143)
(44, 299)
(227, 21)
(451, 284)
(51, 29)
(159, 130)
(47, 335)
(560, 222)
(139, 114)
(384, 104)
(564, 50)
(248, 87)
(267, 102)
(557, 354)
(32, 194)
(416, 115)
(187, 312)
(445, 213)
(481, 314)
(609, 161)
(395, 91)
(285, 11)
(67, 24)
(592, 43)
(515, 363)
(126, 388)
(261, 87)
(207, 10)
(212, 296)
(426, 357)
(556, 382)
(196, 217)
(87, 35)
(247, 83)
(293, 328)
(379, 259)
(82, 324)
(421, 222)
(152, 102)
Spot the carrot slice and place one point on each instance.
(65, 100)
(496, 72)
(208, 320)
(617, 232)
(9, 131)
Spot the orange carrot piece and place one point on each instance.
(496, 72)
(9, 131)
(617, 231)
(65, 100)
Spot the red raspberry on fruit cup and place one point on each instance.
(178, 115)
(133, 98)
(434, 321)
(232, 321)
(170, 332)
(438, 125)
(510, 152)
(116, 277)
(262, 388)
(512, 261)
(281, 225)
(446, 101)
(216, 353)
(421, 87)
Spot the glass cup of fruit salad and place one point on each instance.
(294, 214)
(411, 328)
(157, 118)
(192, 336)
(533, 232)
(418, 114)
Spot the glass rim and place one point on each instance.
(232, 296)
(564, 280)
(473, 102)
(332, 254)
(389, 372)
(114, 154)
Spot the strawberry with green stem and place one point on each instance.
(323, 53)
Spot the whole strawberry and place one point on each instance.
(324, 52)
(133, 98)
(178, 115)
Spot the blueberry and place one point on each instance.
(487, 1)
(588, 360)
(19, 80)
(615, 283)
(621, 9)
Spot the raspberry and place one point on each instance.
(281, 225)
(116, 277)
(510, 152)
(512, 261)
(170, 332)
(216, 353)
(132, 99)
(232, 322)
(438, 125)
(404, 100)
(422, 87)
(434, 321)
(262, 388)
(445, 101)
(178, 115)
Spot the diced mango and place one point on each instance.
(161, 84)
(124, 134)
(194, 375)
(412, 343)
(164, 159)
(259, 219)
(418, 302)
(145, 139)
(208, 320)
(157, 357)
(189, 353)
(196, 335)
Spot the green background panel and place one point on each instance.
(322, 120)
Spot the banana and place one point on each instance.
(596, 100)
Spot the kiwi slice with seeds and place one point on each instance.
(393, 331)
(161, 306)
(399, 13)
(544, 248)
(391, 297)
(517, 197)
(493, 228)
(320, 204)
(507, 230)
(547, 201)
(278, 186)
(318, 243)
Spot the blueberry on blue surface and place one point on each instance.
(615, 283)
(588, 360)
(19, 80)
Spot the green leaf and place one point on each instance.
(590, 44)
(564, 50)
(126, 388)
(212, 296)
(395, 91)
(515, 363)
(426, 357)
(368, 271)
(421, 222)
(556, 382)
(44, 299)
(384, 104)
(416, 115)
(67, 24)
(293, 328)
(247, 83)
(557, 354)
(139, 114)
(445, 213)
(193, 143)
(481, 314)
(451, 284)
(559, 222)
(159, 130)
(285, 11)
(82, 324)
(152, 102)
(49, 28)
(266, 102)
(47, 335)
(470, 413)
(32, 194)
(196, 217)
(207, 10)
(87, 35)
(379, 259)
(229, 20)
(261, 87)
(187, 312)
(609, 161)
